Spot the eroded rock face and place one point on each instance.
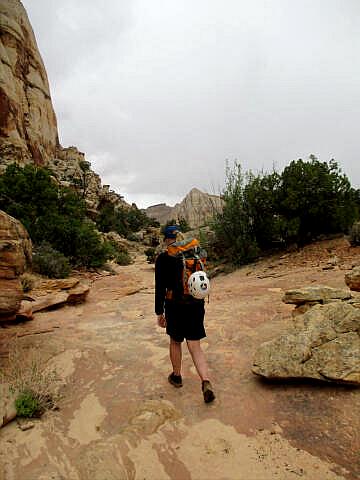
(324, 345)
(352, 279)
(28, 129)
(198, 207)
(28, 126)
(15, 254)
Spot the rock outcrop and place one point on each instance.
(28, 126)
(324, 345)
(196, 208)
(50, 294)
(352, 279)
(306, 297)
(15, 255)
(161, 212)
(28, 129)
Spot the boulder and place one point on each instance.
(324, 344)
(352, 279)
(78, 294)
(25, 311)
(315, 294)
(15, 255)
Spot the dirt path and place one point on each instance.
(120, 419)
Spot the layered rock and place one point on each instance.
(324, 345)
(196, 208)
(28, 127)
(15, 255)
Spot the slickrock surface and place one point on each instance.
(120, 419)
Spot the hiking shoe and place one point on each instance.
(175, 380)
(207, 390)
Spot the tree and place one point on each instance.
(318, 197)
(51, 214)
(233, 226)
(260, 200)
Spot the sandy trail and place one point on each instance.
(120, 419)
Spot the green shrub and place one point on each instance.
(123, 258)
(355, 234)
(235, 240)
(27, 405)
(150, 254)
(263, 211)
(125, 221)
(33, 385)
(49, 262)
(51, 214)
(117, 253)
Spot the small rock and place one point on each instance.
(25, 424)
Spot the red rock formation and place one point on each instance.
(15, 254)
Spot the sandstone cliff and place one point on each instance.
(196, 208)
(28, 127)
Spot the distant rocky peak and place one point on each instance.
(196, 208)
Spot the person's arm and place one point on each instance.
(160, 289)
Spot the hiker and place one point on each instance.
(181, 314)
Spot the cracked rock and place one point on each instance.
(324, 344)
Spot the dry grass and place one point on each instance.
(28, 281)
(26, 374)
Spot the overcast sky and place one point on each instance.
(159, 93)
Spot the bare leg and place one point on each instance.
(198, 358)
(175, 356)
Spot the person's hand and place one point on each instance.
(161, 320)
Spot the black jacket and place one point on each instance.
(168, 276)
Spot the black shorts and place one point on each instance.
(185, 320)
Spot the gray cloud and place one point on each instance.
(158, 94)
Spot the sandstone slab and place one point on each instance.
(317, 293)
(58, 284)
(50, 301)
(324, 345)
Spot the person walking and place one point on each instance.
(181, 315)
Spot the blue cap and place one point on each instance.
(171, 231)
